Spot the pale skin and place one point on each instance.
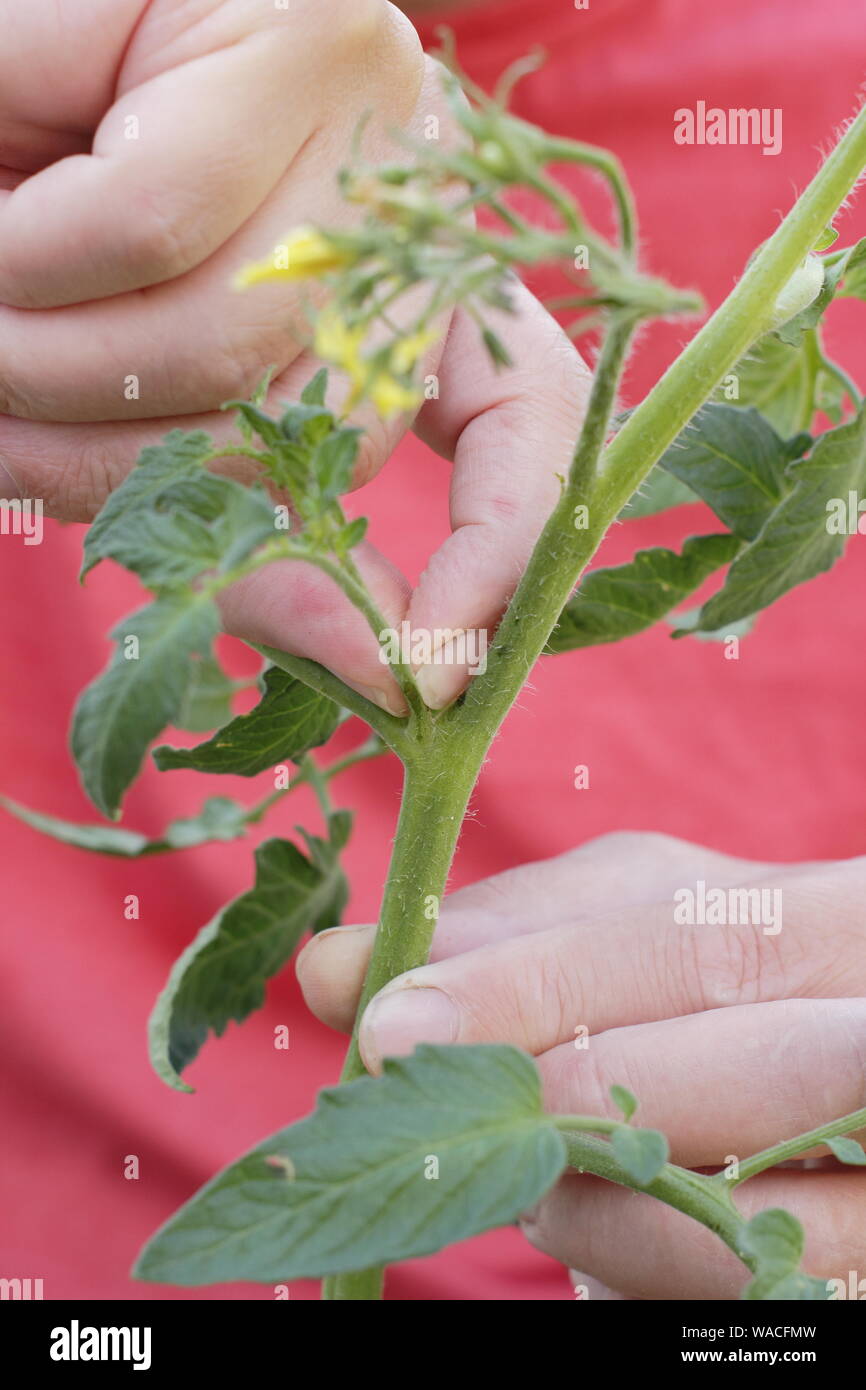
(119, 262)
(116, 257)
(731, 1038)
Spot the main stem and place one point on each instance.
(436, 792)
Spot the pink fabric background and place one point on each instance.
(763, 757)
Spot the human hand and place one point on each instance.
(147, 151)
(732, 1037)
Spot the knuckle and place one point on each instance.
(735, 964)
(157, 247)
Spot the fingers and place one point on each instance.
(201, 133)
(185, 345)
(772, 1070)
(616, 870)
(294, 607)
(178, 349)
(628, 967)
(510, 433)
(73, 467)
(642, 1249)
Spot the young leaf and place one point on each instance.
(447, 1143)
(219, 819)
(776, 379)
(615, 603)
(796, 542)
(316, 388)
(775, 1241)
(624, 1101)
(736, 463)
(191, 527)
(658, 493)
(221, 976)
(642, 1152)
(207, 701)
(288, 721)
(333, 461)
(141, 692)
(792, 331)
(848, 1151)
(180, 455)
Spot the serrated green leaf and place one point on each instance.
(172, 520)
(222, 975)
(776, 379)
(795, 543)
(735, 462)
(212, 523)
(219, 819)
(134, 699)
(103, 839)
(658, 492)
(684, 625)
(362, 1192)
(316, 389)
(180, 455)
(848, 1151)
(333, 461)
(207, 701)
(642, 1152)
(288, 721)
(306, 425)
(351, 535)
(340, 828)
(615, 603)
(267, 429)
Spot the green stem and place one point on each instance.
(371, 748)
(677, 1187)
(792, 1148)
(572, 152)
(729, 333)
(436, 793)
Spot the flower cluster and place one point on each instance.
(418, 232)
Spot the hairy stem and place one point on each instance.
(436, 793)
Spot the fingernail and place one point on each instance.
(395, 1022)
(16, 487)
(440, 681)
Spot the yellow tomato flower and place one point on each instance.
(406, 351)
(304, 255)
(390, 397)
(338, 343)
